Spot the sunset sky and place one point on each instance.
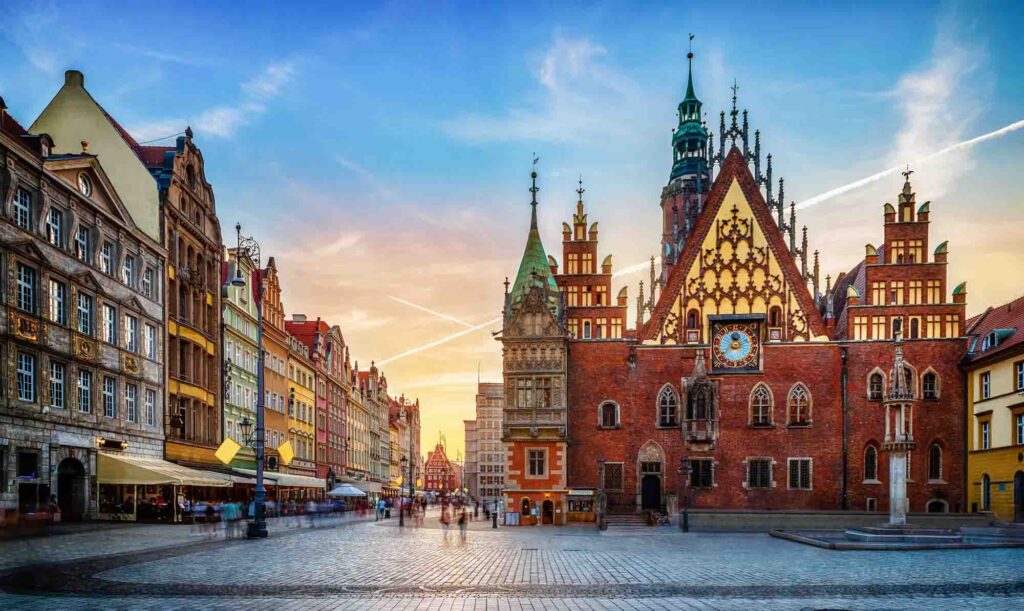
(382, 155)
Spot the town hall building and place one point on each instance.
(744, 383)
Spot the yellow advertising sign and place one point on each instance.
(285, 452)
(227, 450)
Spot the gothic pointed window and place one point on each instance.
(799, 406)
(761, 406)
(668, 407)
(775, 316)
(871, 463)
(699, 403)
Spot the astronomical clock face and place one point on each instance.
(736, 345)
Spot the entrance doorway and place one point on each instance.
(1018, 496)
(71, 490)
(650, 492)
(548, 513)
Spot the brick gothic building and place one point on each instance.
(771, 389)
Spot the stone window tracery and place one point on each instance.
(761, 406)
(668, 407)
(799, 406)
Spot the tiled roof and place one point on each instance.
(1007, 320)
(153, 156)
(10, 126)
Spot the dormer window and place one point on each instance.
(991, 341)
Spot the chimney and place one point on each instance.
(74, 78)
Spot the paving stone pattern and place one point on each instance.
(370, 566)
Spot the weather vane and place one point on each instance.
(907, 174)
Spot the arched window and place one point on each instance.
(668, 407)
(775, 316)
(609, 414)
(930, 385)
(871, 463)
(914, 323)
(937, 506)
(799, 404)
(699, 402)
(897, 327)
(875, 384)
(761, 406)
(986, 493)
(586, 330)
(692, 319)
(935, 462)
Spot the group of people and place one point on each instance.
(461, 515)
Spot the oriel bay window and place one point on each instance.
(533, 392)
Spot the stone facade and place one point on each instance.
(82, 352)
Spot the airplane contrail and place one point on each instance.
(639, 267)
(429, 311)
(438, 342)
(817, 199)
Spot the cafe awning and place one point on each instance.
(286, 480)
(368, 486)
(121, 469)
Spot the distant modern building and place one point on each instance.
(472, 455)
(489, 479)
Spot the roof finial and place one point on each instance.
(581, 190)
(533, 176)
(906, 175)
(690, 54)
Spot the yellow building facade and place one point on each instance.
(301, 409)
(995, 427)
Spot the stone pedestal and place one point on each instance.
(898, 488)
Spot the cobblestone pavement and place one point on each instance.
(364, 565)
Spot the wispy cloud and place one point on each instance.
(939, 106)
(582, 98)
(36, 29)
(223, 121)
(343, 242)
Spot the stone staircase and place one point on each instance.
(626, 520)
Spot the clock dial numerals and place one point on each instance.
(735, 346)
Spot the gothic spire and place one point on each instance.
(533, 268)
(690, 138)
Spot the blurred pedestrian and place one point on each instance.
(463, 524)
(446, 521)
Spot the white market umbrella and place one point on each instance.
(346, 490)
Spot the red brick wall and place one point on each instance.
(598, 371)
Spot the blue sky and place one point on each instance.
(391, 144)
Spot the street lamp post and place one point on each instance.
(600, 501)
(686, 471)
(494, 515)
(401, 509)
(251, 249)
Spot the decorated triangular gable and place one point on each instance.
(735, 262)
(532, 317)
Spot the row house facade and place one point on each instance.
(81, 358)
(301, 409)
(241, 353)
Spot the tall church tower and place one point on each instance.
(534, 346)
(688, 184)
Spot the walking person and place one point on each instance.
(380, 509)
(446, 522)
(463, 524)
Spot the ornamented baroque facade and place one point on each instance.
(745, 383)
(81, 344)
